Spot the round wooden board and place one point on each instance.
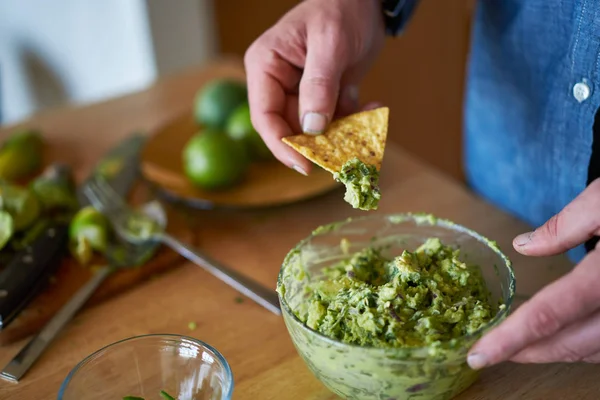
(267, 184)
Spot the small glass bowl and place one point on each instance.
(365, 373)
(143, 366)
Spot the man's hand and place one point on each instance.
(307, 67)
(561, 323)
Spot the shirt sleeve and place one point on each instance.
(397, 18)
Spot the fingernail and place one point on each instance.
(314, 123)
(523, 239)
(299, 170)
(476, 361)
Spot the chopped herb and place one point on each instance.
(166, 396)
(192, 326)
(163, 394)
(239, 300)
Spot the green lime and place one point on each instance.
(212, 160)
(91, 226)
(54, 191)
(239, 127)
(216, 101)
(21, 155)
(6, 228)
(21, 204)
(81, 249)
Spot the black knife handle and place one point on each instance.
(29, 271)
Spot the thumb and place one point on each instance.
(572, 226)
(320, 84)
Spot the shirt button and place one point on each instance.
(581, 91)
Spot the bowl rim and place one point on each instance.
(410, 354)
(229, 374)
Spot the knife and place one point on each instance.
(120, 169)
(29, 270)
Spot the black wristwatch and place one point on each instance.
(396, 14)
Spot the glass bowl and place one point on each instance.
(143, 366)
(356, 372)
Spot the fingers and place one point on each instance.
(320, 84)
(269, 77)
(371, 106)
(592, 359)
(574, 225)
(571, 298)
(577, 342)
(348, 100)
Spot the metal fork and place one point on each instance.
(107, 201)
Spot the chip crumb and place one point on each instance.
(239, 300)
(192, 326)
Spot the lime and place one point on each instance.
(212, 160)
(91, 226)
(21, 204)
(21, 155)
(54, 192)
(216, 101)
(82, 250)
(239, 127)
(6, 228)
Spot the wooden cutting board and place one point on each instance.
(70, 276)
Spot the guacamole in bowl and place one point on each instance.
(387, 306)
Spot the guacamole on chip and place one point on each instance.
(362, 184)
(352, 150)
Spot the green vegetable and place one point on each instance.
(216, 100)
(142, 226)
(20, 203)
(55, 188)
(162, 393)
(21, 155)
(362, 184)
(166, 396)
(239, 127)
(88, 232)
(6, 228)
(212, 160)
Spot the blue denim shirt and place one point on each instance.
(530, 104)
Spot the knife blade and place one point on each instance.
(118, 167)
(30, 269)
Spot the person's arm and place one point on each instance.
(397, 14)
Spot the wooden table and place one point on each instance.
(255, 342)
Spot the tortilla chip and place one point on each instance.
(361, 135)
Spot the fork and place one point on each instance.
(123, 218)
